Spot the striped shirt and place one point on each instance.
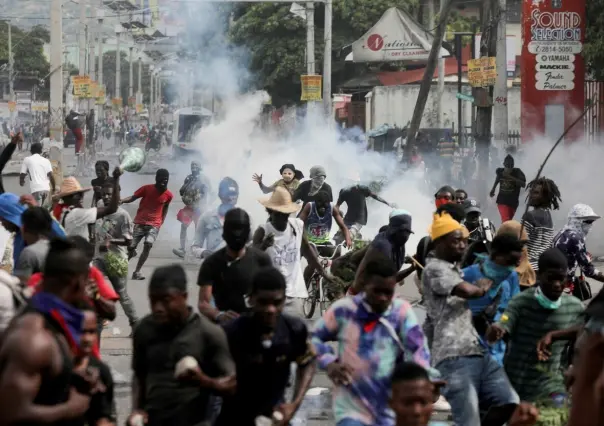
(540, 229)
(370, 347)
(526, 322)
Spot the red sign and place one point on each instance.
(375, 42)
(553, 68)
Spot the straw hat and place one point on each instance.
(280, 201)
(71, 186)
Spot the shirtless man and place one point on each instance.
(37, 380)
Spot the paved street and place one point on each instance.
(116, 348)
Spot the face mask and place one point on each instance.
(441, 202)
(235, 240)
(545, 302)
(586, 227)
(495, 272)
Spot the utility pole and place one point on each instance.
(93, 35)
(484, 96)
(139, 92)
(424, 88)
(56, 68)
(500, 92)
(82, 46)
(11, 77)
(118, 66)
(327, 61)
(131, 74)
(441, 78)
(100, 48)
(310, 45)
(151, 94)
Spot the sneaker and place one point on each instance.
(441, 404)
(138, 276)
(179, 252)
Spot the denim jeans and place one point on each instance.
(474, 383)
(119, 285)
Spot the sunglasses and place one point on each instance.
(589, 222)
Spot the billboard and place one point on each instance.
(553, 68)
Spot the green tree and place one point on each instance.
(593, 49)
(28, 50)
(461, 24)
(275, 39)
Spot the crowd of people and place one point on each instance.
(506, 338)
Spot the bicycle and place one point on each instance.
(319, 293)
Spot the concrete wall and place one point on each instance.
(394, 105)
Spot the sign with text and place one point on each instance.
(81, 86)
(482, 72)
(39, 106)
(553, 68)
(311, 88)
(101, 95)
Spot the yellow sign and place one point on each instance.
(482, 72)
(81, 86)
(94, 89)
(12, 106)
(117, 103)
(39, 106)
(100, 95)
(311, 88)
(139, 108)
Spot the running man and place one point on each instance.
(355, 197)
(151, 214)
(194, 192)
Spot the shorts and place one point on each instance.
(187, 215)
(145, 233)
(40, 197)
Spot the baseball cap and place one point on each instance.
(471, 205)
(401, 221)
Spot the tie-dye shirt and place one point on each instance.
(369, 347)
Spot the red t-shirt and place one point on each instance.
(151, 207)
(106, 291)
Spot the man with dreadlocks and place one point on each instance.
(543, 197)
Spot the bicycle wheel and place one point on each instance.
(310, 303)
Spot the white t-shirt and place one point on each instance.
(38, 168)
(286, 257)
(75, 221)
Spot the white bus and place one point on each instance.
(187, 122)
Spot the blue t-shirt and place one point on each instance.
(510, 288)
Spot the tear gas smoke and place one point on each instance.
(577, 170)
(235, 146)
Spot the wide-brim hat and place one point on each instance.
(71, 186)
(280, 201)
